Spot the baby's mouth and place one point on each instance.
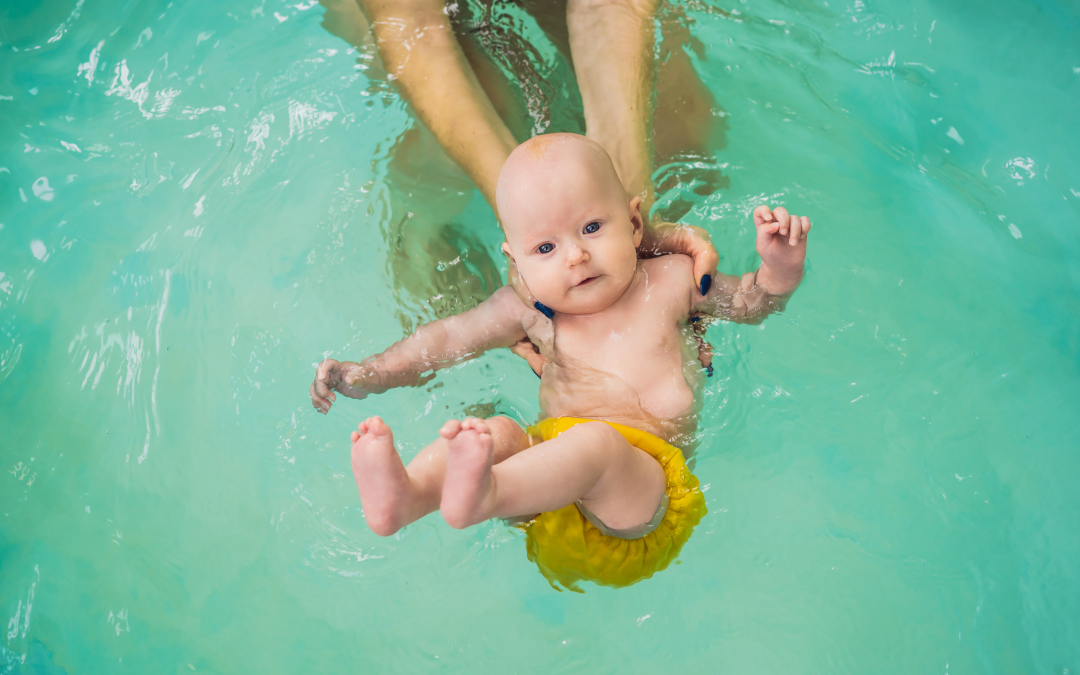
(586, 282)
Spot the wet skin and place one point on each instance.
(613, 351)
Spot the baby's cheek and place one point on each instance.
(538, 280)
(626, 261)
(548, 292)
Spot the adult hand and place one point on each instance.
(687, 239)
(525, 348)
(528, 351)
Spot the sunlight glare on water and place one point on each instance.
(199, 200)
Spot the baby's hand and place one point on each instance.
(781, 240)
(346, 377)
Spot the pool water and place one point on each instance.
(199, 200)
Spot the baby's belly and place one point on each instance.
(663, 406)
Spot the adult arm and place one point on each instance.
(613, 47)
(612, 43)
(418, 47)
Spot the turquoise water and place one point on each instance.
(201, 199)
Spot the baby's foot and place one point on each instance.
(468, 494)
(386, 493)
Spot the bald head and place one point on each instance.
(570, 228)
(541, 170)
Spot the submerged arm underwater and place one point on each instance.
(494, 323)
(781, 243)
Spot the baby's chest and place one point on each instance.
(622, 349)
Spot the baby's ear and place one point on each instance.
(508, 253)
(636, 221)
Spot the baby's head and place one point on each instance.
(569, 224)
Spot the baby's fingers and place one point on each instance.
(323, 390)
(762, 214)
(769, 228)
(806, 226)
(321, 396)
(320, 403)
(323, 371)
(782, 217)
(795, 230)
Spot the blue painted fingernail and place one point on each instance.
(706, 283)
(544, 309)
(708, 369)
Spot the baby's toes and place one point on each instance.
(450, 430)
(376, 426)
(475, 424)
(365, 426)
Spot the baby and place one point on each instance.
(609, 497)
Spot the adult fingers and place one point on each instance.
(696, 242)
(527, 351)
(536, 362)
(705, 353)
(705, 263)
(688, 240)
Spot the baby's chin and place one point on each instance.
(590, 298)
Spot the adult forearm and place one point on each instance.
(417, 45)
(612, 44)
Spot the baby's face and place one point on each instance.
(572, 233)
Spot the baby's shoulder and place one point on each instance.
(675, 270)
(507, 300)
(506, 303)
(672, 276)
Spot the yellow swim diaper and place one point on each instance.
(568, 548)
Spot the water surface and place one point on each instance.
(200, 200)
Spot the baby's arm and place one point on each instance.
(781, 243)
(496, 322)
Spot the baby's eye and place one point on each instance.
(546, 248)
(592, 228)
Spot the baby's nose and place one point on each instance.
(576, 255)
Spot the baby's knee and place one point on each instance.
(501, 425)
(601, 436)
(504, 429)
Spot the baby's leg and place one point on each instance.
(620, 484)
(393, 496)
